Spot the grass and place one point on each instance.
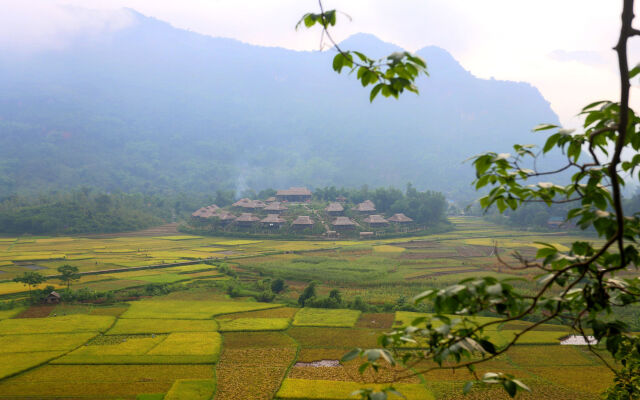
(163, 278)
(5, 314)
(176, 348)
(12, 363)
(235, 242)
(405, 318)
(190, 344)
(192, 389)
(65, 324)
(536, 337)
(388, 249)
(178, 237)
(326, 317)
(150, 396)
(335, 337)
(141, 326)
(43, 342)
(244, 340)
(176, 309)
(99, 381)
(334, 390)
(254, 324)
(548, 356)
(266, 367)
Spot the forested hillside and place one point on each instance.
(154, 109)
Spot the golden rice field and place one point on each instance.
(202, 344)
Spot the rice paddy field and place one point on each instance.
(199, 343)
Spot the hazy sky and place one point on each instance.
(563, 47)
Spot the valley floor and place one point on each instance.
(198, 343)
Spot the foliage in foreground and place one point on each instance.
(580, 287)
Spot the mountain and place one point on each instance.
(157, 109)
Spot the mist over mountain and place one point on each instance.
(155, 109)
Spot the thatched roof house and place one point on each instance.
(334, 209)
(270, 199)
(366, 206)
(376, 220)
(52, 298)
(273, 221)
(341, 199)
(276, 208)
(303, 221)
(246, 219)
(225, 217)
(244, 203)
(294, 194)
(343, 223)
(249, 204)
(400, 218)
(206, 212)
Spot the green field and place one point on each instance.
(200, 340)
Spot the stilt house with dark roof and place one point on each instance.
(276, 208)
(303, 221)
(273, 221)
(366, 207)
(343, 223)
(246, 220)
(335, 209)
(400, 219)
(376, 221)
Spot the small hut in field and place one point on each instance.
(270, 199)
(273, 221)
(341, 199)
(303, 221)
(343, 223)
(246, 220)
(52, 298)
(335, 209)
(366, 207)
(376, 221)
(276, 208)
(294, 195)
(400, 219)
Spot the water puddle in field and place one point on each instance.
(320, 363)
(577, 340)
(33, 267)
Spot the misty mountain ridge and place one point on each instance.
(153, 108)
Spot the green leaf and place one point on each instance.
(351, 355)
(467, 387)
(487, 346)
(544, 127)
(419, 298)
(510, 387)
(634, 71)
(338, 62)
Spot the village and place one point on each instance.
(294, 212)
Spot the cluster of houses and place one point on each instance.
(275, 206)
(367, 207)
